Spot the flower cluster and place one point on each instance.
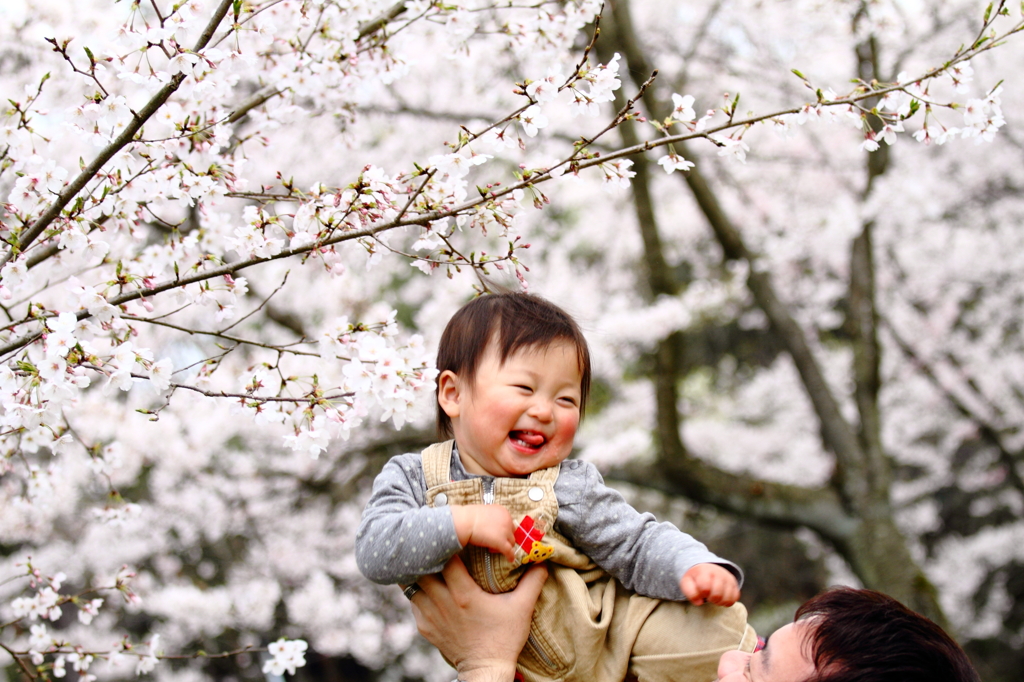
(600, 82)
(286, 656)
(900, 101)
(45, 604)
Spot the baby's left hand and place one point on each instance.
(710, 583)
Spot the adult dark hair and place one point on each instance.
(516, 320)
(866, 636)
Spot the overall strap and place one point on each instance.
(437, 462)
(549, 475)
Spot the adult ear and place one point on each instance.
(449, 393)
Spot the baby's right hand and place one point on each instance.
(486, 525)
(711, 583)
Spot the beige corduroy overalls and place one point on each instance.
(586, 626)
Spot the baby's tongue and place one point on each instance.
(532, 439)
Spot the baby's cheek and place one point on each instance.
(567, 428)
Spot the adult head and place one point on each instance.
(848, 635)
(842, 635)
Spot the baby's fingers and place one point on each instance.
(503, 545)
(731, 595)
(506, 546)
(691, 590)
(718, 593)
(510, 551)
(725, 591)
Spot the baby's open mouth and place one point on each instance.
(527, 439)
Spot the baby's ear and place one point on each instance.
(449, 393)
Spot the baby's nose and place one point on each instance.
(541, 408)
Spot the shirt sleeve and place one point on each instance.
(644, 555)
(400, 538)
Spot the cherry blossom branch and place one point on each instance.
(232, 268)
(203, 654)
(452, 117)
(473, 263)
(62, 599)
(257, 398)
(312, 398)
(586, 52)
(156, 9)
(987, 21)
(620, 116)
(264, 302)
(510, 5)
(219, 335)
(21, 242)
(213, 358)
(62, 50)
(304, 47)
(374, 25)
(258, 99)
(425, 219)
(988, 431)
(23, 110)
(573, 78)
(43, 252)
(161, 657)
(17, 655)
(419, 190)
(158, 100)
(17, 659)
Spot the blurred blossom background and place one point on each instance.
(234, 230)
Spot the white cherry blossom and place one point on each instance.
(533, 120)
(683, 108)
(674, 162)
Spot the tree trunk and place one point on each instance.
(853, 513)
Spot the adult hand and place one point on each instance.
(482, 634)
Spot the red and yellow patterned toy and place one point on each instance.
(528, 536)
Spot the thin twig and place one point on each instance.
(986, 429)
(17, 659)
(219, 335)
(256, 398)
(419, 191)
(368, 27)
(258, 308)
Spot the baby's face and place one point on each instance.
(518, 416)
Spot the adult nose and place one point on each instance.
(732, 666)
